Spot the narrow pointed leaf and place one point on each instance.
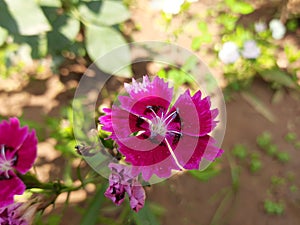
(92, 212)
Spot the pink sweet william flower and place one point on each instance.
(18, 213)
(121, 181)
(12, 215)
(157, 137)
(18, 150)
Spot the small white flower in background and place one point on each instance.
(167, 6)
(260, 26)
(229, 52)
(250, 50)
(277, 28)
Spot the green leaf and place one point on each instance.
(162, 74)
(102, 40)
(292, 25)
(3, 35)
(145, 217)
(205, 175)
(264, 140)
(202, 26)
(279, 77)
(292, 53)
(104, 13)
(37, 43)
(196, 43)
(54, 219)
(228, 20)
(64, 33)
(92, 212)
(240, 6)
(65, 30)
(177, 76)
(276, 208)
(28, 16)
(239, 151)
(6, 19)
(68, 26)
(290, 137)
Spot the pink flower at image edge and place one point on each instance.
(18, 151)
(13, 214)
(171, 137)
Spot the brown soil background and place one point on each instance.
(186, 200)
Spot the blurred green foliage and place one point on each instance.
(255, 163)
(275, 208)
(212, 171)
(51, 27)
(229, 15)
(291, 137)
(264, 140)
(204, 37)
(62, 131)
(239, 151)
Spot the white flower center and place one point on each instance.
(5, 164)
(158, 127)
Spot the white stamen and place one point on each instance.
(171, 115)
(146, 119)
(6, 174)
(158, 127)
(175, 132)
(3, 152)
(139, 133)
(5, 165)
(158, 124)
(156, 116)
(173, 155)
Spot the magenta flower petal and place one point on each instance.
(144, 152)
(9, 188)
(157, 138)
(138, 107)
(162, 169)
(188, 106)
(118, 180)
(198, 148)
(121, 181)
(116, 193)
(11, 134)
(212, 151)
(136, 195)
(158, 88)
(106, 120)
(123, 171)
(188, 152)
(120, 127)
(157, 160)
(27, 153)
(18, 150)
(16, 214)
